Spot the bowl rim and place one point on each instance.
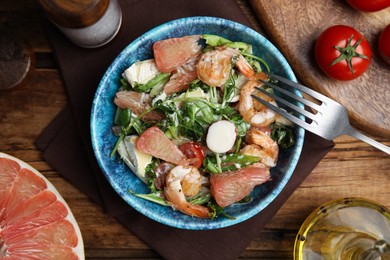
(269, 198)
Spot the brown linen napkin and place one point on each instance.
(67, 147)
(62, 148)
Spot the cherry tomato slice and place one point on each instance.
(342, 52)
(194, 152)
(384, 44)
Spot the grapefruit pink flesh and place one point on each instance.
(182, 77)
(153, 141)
(8, 171)
(229, 187)
(25, 185)
(35, 221)
(171, 53)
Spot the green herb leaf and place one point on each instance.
(153, 197)
(252, 60)
(159, 79)
(125, 116)
(216, 210)
(283, 135)
(216, 41)
(124, 84)
(228, 163)
(201, 198)
(228, 89)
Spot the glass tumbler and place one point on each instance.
(87, 23)
(16, 58)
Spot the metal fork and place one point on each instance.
(328, 119)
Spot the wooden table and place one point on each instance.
(352, 168)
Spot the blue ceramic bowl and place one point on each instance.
(120, 176)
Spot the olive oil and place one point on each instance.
(345, 229)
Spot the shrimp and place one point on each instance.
(261, 145)
(184, 181)
(255, 113)
(245, 68)
(214, 66)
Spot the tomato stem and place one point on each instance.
(348, 52)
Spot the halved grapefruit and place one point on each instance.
(35, 221)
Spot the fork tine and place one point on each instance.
(332, 114)
(300, 87)
(292, 95)
(284, 113)
(287, 103)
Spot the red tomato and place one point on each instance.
(384, 44)
(369, 5)
(194, 152)
(342, 52)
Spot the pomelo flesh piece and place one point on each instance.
(171, 53)
(230, 187)
(153, 141)
(35, 221)
(29, 207)
(8, 171)
(25, 185)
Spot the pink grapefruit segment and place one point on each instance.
(26, 185)
(230, 187)
(56, 233)
(53, 213)
(171, 53)
(35, 204)
(153, 141)
(8, 171)
(35, 221)
(182, 77)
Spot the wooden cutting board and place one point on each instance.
(294, 25)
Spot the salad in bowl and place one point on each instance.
(189, 138)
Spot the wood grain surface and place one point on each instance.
(351, 169)
(294, 25)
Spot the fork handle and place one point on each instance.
(353, 132)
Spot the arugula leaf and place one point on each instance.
(201, 198)
(194, 130)
(241, 125)
(210, 165)
(135, 124)
(125, 116)
(215, 41)
(230, 162)
(117, 118)
(125, 84)
(150, 174)
(198, 111)
(252, 59)
(216, 210)
(155, 197)
(228, 89)
(196, 116)
(283, 135)
(197, 83)
(159, 79)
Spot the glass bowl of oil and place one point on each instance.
(347, 228)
